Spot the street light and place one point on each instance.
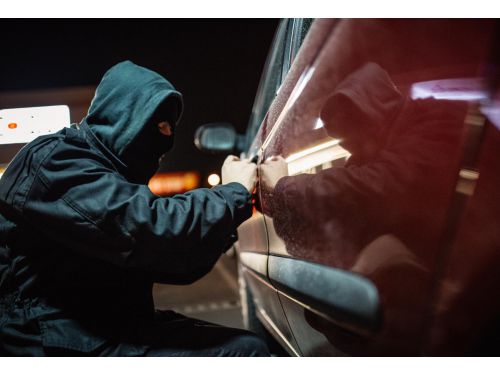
(213, 179)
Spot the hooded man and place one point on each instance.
(82, 238)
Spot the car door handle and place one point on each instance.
(348, 299)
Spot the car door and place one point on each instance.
(253, 241)
(465, 317)
(367, 148)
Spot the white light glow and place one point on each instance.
(319, 124)
(213, 179)
(315, 156)
(311, 150)
(466, 89)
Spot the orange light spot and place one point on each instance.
(12, 125)
(173, 183)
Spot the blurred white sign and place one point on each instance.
(22, 125)
(468, 89)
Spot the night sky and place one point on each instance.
(216, 64)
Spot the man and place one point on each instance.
(82, 238)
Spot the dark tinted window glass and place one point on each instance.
(270, 81)
(297, 31)
(301, 29)
(289, 37)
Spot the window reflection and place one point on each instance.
(371, 165)
(397, 149)
(380, 212)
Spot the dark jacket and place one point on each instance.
(82, 238)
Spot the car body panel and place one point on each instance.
(387, 128)
(465, 312)
(269, 312)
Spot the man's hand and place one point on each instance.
(272, 170)
(242, 171)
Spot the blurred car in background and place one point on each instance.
(378, 205)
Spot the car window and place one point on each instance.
(287, 42)
(270, 81)
(302, 26)
(296, 32)
(287, 57)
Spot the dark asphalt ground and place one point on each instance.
(213, 298)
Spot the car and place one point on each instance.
(377, 211)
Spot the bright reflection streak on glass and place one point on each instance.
(301, 84)
(315, 156)
(319, 124)
(466, 89)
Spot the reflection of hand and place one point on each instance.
(272, 170)
(242, 171)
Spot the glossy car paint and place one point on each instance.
(252, 234)
(465, 312)
(390, 134)
(252, 244)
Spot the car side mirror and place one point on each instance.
(218, 137)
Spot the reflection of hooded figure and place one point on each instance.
(396, 144)
(360, 113)
(362, 109)
(382, 215)
(82, 238)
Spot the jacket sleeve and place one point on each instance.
(86, 206)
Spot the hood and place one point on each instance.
(128, 104)
(362, 108)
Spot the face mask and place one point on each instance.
(142, 156)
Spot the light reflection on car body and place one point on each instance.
(388, 129)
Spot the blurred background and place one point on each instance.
(216, 64)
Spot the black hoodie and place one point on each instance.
(81, 240)
(128, 104)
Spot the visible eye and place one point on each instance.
(165, 128)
